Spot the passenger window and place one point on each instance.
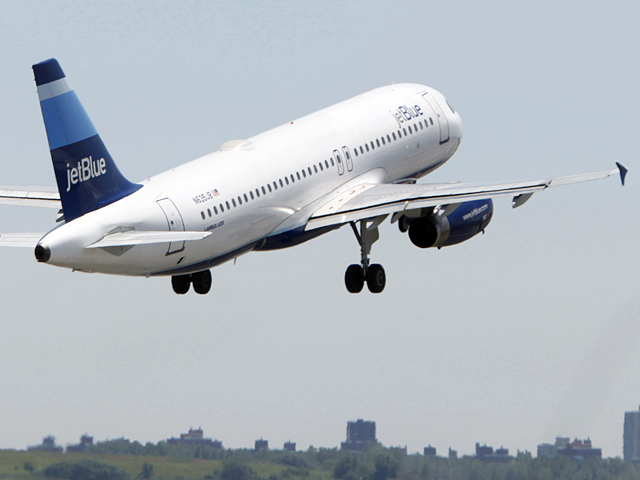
(264, 192)
(399, 134)
(404, 130)
(373, 147)
(298, 174)
(269, 187)
(246, 199)
(431, 120)
(286, 179)
(326, 164)
(293, 179)
(321, 167)
(310, 172)
(315, 169)
(410, 129)
(366, 146)
(388, 139)
(382, 140)
(281, 184)
(228, 206)
(215, 210)
(233, 200)
(258, 192)
(239, 199)
(378, 142)
(222, 207)
(209, 211)
(251, 193)
(338, 158)
(304, 174)
(393, 135)
(361, 151)
(420, 123)
(202, 213)
(275, 185)
(356, 150)
(332, 164)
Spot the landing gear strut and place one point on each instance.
(201, 282)
(357, 275)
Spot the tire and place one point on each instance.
(181, 283)
(202, 282)
(403, 223)
(376, 278)
(354, 278)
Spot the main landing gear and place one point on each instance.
(357, 275)
(201, 282)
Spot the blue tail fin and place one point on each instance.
(87, 176)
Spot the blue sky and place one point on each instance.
(525, 333)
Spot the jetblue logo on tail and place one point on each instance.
(86, 170)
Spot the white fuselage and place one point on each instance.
(240, 181)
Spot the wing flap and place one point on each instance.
(138, 237)
(370, 200)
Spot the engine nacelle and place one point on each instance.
(438, 230)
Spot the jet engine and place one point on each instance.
(449, 225)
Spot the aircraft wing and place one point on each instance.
(30, 196)
(140, 237)
(370, 200)
(28, 240)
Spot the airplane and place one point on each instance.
(355, 163)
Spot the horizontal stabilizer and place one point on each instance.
(138, 237)
(28, 240)
(30, 197)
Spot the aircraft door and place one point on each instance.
(338, 159)
(347, 157)
(441, 117)
(174, 221)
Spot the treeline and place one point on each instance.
(377, 463)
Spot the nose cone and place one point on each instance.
(455, 126)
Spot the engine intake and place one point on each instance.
(465, 222)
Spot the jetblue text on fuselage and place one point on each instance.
(87, 169)
(404, 113)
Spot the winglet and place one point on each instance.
(623, 172)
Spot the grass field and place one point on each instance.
(12, 465)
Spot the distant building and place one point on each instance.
(453, 454)
(486, 453)
(85, 441)
(430, 451)
(580, 448)
(261, 445)
(48, 445)
(525, 454)
(546, 450)
(631, 436)
(360, 434)
(195, 437)
(290, 446)
(564, 446)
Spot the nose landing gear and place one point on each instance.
(201, 282)
(357, 275)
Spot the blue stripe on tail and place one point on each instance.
(87, 176)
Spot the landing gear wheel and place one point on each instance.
(181, 283)
(376, 278)
(403, 223)
(201, 281)
(354, 278)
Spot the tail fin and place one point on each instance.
(87, 177)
